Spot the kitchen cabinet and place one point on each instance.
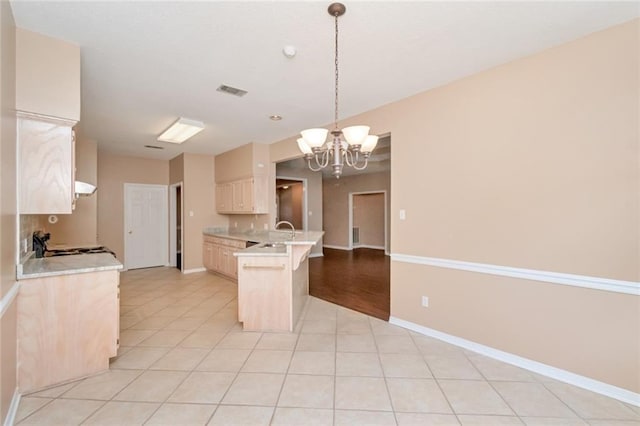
(217, 255)
(244, 196)
(68, 327)
(46, 165)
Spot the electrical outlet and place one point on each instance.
(266, 227)
(403, 214)
(251, 225)
(425, 301)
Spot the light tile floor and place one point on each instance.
(184, 360)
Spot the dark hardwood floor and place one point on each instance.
(358, 280)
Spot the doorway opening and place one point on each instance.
(291, 201)
(368, 220)
(175, 225)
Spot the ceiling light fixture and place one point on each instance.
(181, 130)
(337, 151)
(275, 117)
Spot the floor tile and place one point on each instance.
(380, 327)
(554, 421)
(452, 367)
(278, 341)
(54, 391)
(225, 360)
(285, 416)
(417, 396)
(165, 338)
(185, 323)
(358, 325)
(134, 337)
(359, 417)
(473, 397)
(356, 343)
(426, 419)
(122, 413)
(267, 361)
(180, 359)
(103, 386)
(203, 388)
(323, 363)
(321, 326)
(205, 339)
(358, 364)
(307, 391)
(29, 405)
(152, 386)
(431, 346)
(66, 412)
(484, 420)
(532, 399)
(493, 369)
(233, 415)
(401, 365)
(182, 415)
(395, 344)
(589, 405)
(139, 358)
(316, 343)
(362, 393)
(152, 323)
(255, 389)
(242, 340)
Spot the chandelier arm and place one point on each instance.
(311, 167)
(322, 160)
(364, 166)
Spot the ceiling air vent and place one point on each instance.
(231, 90)
(153, 147)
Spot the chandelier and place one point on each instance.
(351, 146)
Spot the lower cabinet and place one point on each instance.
(217, 255)
(68, 327)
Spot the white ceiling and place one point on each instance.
(146, 63)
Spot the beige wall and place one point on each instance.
(48, 75)
(199, 197)
(336, 203)
(533, 164)
(81, 226)
(113, 172)
(368, 217)
(8, 209)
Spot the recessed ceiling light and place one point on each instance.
(275, 117)
(181, 130)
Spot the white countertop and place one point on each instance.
(282, 237)
(67, 265)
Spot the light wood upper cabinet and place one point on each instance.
(46, 166)
(242, 177)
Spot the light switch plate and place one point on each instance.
(403, 214)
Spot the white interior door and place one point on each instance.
(145, 225)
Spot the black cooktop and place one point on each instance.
(76, 251)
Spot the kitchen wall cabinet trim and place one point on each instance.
(46, 165)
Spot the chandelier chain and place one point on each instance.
(335, 120)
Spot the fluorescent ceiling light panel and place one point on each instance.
(181, 130)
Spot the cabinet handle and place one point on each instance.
(263, 266)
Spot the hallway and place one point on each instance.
(358, 280)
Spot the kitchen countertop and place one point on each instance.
(281, 237)
(67, 265)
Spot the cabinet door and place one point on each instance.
(224, 195)
(238, 196)
(209, 256)
(45, 167)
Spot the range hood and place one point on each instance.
(84, 189)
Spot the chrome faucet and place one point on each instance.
(293, 229)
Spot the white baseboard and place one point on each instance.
(316, 255)
(368, 246)
(13, 409)
(336, 247)
(193, 271)
(565, 376)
